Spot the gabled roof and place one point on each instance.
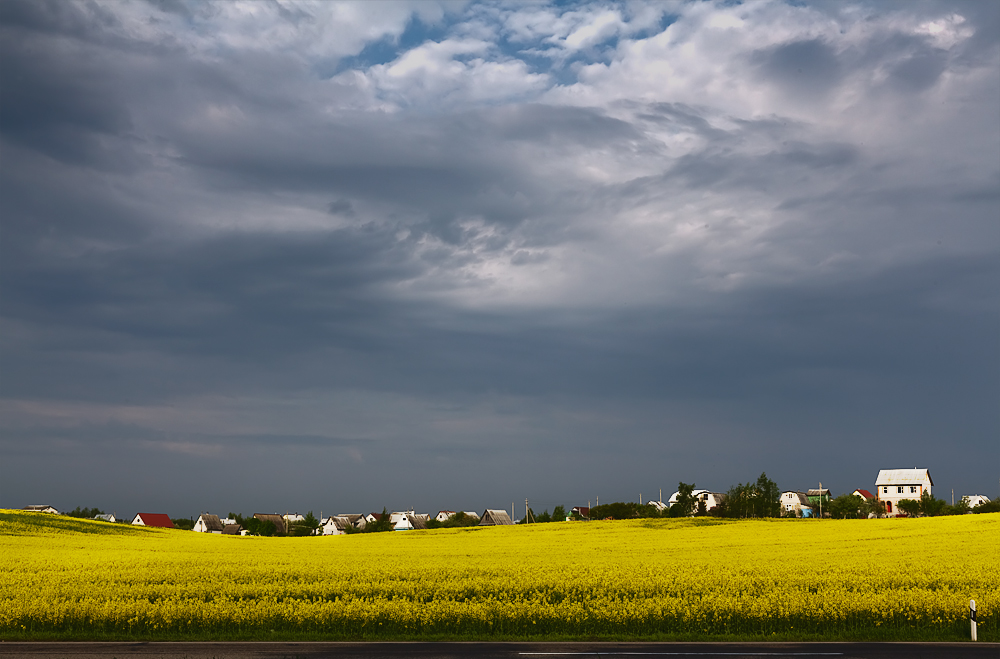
(231, 529)
(583, 510)
(159, 520)
(211, 522)
(41, 508)
(903, 477)
(493, 517)
(339, 522)
(816, 492)
(277, 520)
(865, 493)
(798, 496)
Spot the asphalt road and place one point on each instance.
(504, 650)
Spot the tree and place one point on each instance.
(382, 524)
(760, 499)
(559, 514)
(686, 503)
(872, 507)
(845, 506)
(768, 496)
(85, 513)
(909, 506)
(307, 526)
(182, 523)
(987, 507)
(930, 505)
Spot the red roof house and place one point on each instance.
(153, 519)
(863, 493)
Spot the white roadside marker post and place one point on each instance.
(972, 617)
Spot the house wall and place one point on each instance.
(891, 495)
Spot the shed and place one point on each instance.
(232, 529)
(493, 517)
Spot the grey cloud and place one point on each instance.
(808, 67)
(129, 279)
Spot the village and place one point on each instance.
(898, 493)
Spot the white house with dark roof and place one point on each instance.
(894, 485)
(795, 502)
(208, 524)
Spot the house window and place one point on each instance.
(885, 490)
(913, 489)
(899, 489)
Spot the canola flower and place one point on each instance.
(627, 579)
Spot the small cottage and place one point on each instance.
(492, 517)
(158, 520)
(208, 524)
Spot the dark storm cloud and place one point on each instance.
(214, 258)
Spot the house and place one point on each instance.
(471, 513)
(582, 511)
(232, 529)
(864, 494)
(711, 499)
(208, 524)
(444, 515)
(158, 520)
(408, 521)
(109, 517)
(277, 520)
(795, 502)
(357, 521)
(335, 525)
(41, 509)
(819, 496)
(371, 518)
(493, 517)
(659, 505)
(976, 499)
(293, 518)
(894, 485)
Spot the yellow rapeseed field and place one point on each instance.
(851, 579)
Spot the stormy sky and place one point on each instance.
(275, 256)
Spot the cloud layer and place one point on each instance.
(347, 255)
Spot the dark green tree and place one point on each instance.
(381, 525)
(85, 513)
(931, 506)
(909, 506)
(768, 497)
(987, 507)
(846, 506)
(559, 514)
(686, 503)
(306, 526)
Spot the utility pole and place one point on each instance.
(821, 499)
(526, 518)
(952, 497)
